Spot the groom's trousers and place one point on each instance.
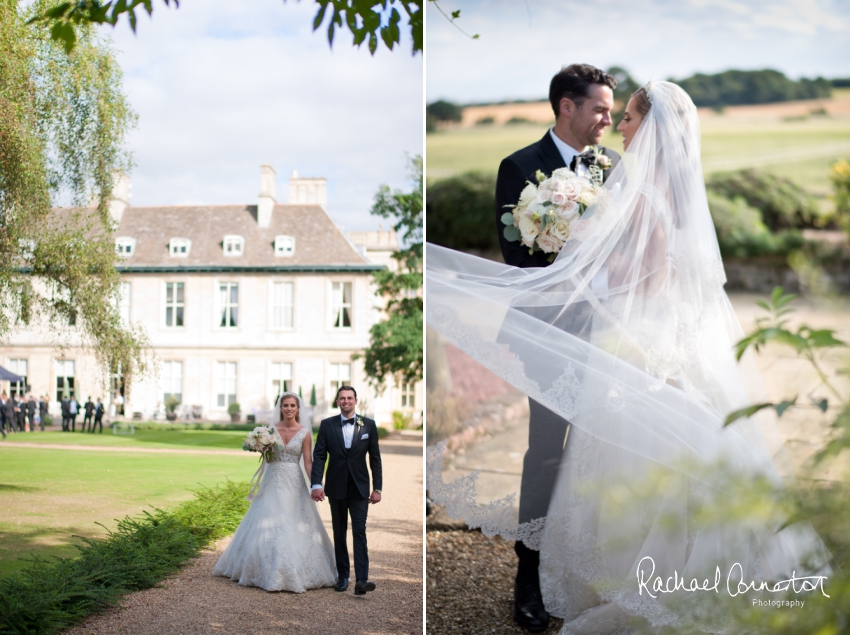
(355, 505)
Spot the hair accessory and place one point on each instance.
(648, 89)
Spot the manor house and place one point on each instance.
(239, 303)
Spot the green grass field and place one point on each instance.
(801, 150)
(166, 438)
(47, 496)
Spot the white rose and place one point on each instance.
(528, 195)
(587, 196)
(568, 211)
(529, 230)
(560, 229)
(558, 198)
(582, 228)
(562, 173)
(543, 195)
(548, 243)
(537, 209)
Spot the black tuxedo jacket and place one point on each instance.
(89, 408)
(66, 407)
(330, 445)
(514, 172)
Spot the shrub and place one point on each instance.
(401, 420)
(517, 120)
(444, 111)
(485, 121)
(839, 174)
(460, 212)
(171, 403)
(49, 596)
(234, 409)
(783, 204)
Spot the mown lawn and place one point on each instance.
(49, 496)
(801, 150)
(166, 438)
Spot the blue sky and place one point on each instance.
(221, 87)
(524, 42)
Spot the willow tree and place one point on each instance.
(63, 123)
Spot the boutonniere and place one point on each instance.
(358, 420)
(603, 161)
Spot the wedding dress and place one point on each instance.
(628, 335)
(281, 544)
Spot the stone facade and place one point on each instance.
(238, 303)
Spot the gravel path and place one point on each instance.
(195, 602)
(470, 585)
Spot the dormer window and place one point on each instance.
(179, 247)
(233, 245)
(284, 246)
(125, 246)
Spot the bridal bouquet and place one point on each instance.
(546, 214)
(262, 439)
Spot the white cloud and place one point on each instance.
(221, 87)
(651, 38)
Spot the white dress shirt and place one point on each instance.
(568, 153)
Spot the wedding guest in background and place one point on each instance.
(98, 417)
(3, 400)
(87, 420)
(31, 413)
(73, 410)
(66, 414)
(20, 410)
(42, 410)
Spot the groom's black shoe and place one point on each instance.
(341, 584)
(529, 612)
(361, 587)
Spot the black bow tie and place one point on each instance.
(347, 421)
(587, 157)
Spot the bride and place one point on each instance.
(629, 336)
(281, 544)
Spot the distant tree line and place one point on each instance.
(733, 88)
(730, 88)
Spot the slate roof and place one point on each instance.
(318, 241)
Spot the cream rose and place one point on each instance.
(528, 194)
(560, 229)
(529, 230)
(549, 243)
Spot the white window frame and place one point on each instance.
(279, 306)
(281, 373)
(174, 304)
(407, 392)
(179, 247)
(171, 380)
(337, 372)
(19, 366)
(125, 297)
(65, 368)
(233, 245)
(284, 246)
(338, 305)
(125, 246)
(224, 309)
(225, 380)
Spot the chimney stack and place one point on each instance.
(308, 191)
(267, 196)
(120, 198)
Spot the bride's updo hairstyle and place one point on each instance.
(288, 395)
(642, 102)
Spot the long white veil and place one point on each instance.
(645, 363)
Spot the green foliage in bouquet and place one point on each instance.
(51, 595)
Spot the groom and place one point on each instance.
(582, 98)
(348, 438)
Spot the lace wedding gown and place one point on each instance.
(281, 544)
(642, 366)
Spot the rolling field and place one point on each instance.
(774, 137)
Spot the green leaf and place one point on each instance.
(823, 404)
(824, 338)
(511, 234)
(64, 32)
(782, 407)
(320, 17)
(507, 218)
(373, 43)
(743, 413)
(455, 14)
